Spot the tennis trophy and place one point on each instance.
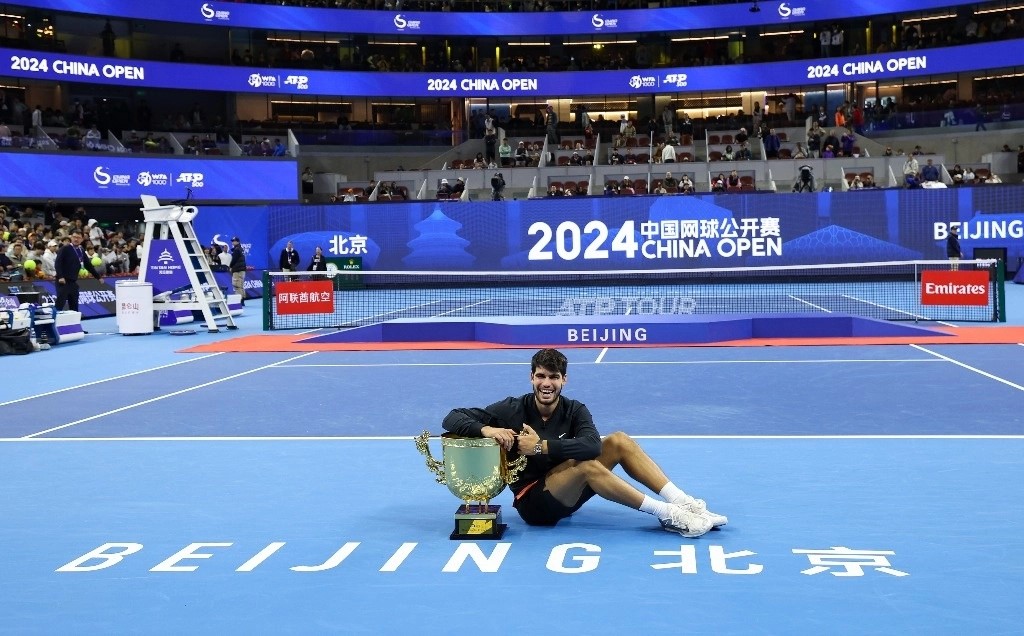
(475, 470)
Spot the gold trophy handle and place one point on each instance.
(513, 468)
(422, 445)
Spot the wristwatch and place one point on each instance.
(538, 448)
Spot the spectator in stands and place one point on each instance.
(733, 180)
(814, 138)
(576, 159)
(718, 183)
(505, 153)
(479, 163)
(969, 177)
(307, 181)
(609, 189)
(551, 125)
(847, 142)
(856, 183)
(686, 185)
(729, 154)
(660, 189)
(869, 181)
(992, 178)
(279, 149)
(497, 187)
(911, 172)
(458, 188)
(772, 144)
(800, 152)
(668, 154)
(804, 179)
(555, 191)
(444, 189)
(626, 186)
(671, 183)
(830, 139)
(490, 144)
(930, 172)
(887, 152)
(522, 155)
(92, 137)
(46, 263)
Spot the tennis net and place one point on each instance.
(905, 290)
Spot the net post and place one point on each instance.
(267, 292)
(1000, 292)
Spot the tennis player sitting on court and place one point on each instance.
(568, 462)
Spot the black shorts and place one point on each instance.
(538, 507)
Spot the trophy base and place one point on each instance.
(479, 523)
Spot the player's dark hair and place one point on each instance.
(552, 359)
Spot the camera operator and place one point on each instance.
(805, 179)
(497, 187)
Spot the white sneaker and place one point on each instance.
(686, 522)
(699, 506)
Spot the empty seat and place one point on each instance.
(643, 157)
(644, 141)
(557, 184)
(685, 156)
(726, 139)
(782, 136)
(569, 185)
(714, 155)
(563, 160)
(687, 140)
(785, 153)
(640, 186)
(714, 139)
(746, 180)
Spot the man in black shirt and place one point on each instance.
(71, 259)
(568, 462)
(953, 251)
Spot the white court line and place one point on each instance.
(493, 364)
(604, 351)
(116, 377)
(807, 302)
(970, 368)
(165, 396)
(451, 311)
(409, 438)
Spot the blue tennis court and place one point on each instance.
(870, 489)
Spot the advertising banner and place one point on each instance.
(304, 297)
(281, 18)
(119, 177)
(646, 232)
(954, 288)
(138, 73)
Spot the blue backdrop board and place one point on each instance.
(605, 233)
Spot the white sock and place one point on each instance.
(659, 509)
(672, 494)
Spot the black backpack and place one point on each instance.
(15, 342)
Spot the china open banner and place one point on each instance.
(648, 232)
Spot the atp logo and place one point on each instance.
(100, 176)
(207, 11)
